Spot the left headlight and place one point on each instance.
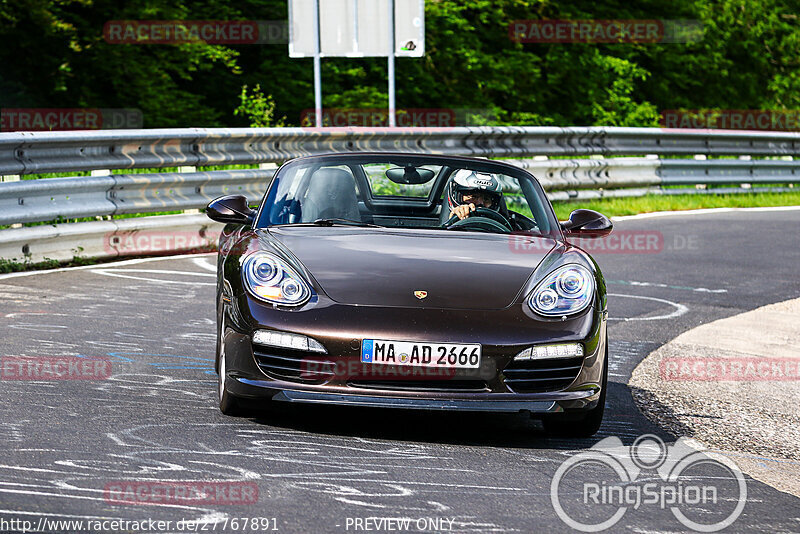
(269, 278)
(565, 291)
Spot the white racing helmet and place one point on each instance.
(466, 181)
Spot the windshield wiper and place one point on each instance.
(347, 222)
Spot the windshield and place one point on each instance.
(408, 192)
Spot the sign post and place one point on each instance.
(356, 28)
(317, 69)
(392, 108)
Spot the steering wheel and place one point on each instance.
(480, 220)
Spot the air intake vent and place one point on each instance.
(421, 385)
(533, 376)
(294, 365)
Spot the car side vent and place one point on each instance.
(421, 385)
(534, 376)
(293, 365)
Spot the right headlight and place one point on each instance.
(565, 291)
(271, 279)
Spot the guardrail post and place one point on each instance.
(183, 169)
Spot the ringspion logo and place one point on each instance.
(593, 490)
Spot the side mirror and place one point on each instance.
(230, 209)
(587, 223)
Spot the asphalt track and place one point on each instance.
(320, 469)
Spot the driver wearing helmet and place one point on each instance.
(472, 189)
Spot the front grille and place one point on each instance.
(421, 385)
(294, 365)
(533, 376)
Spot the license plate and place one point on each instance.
(447, 355)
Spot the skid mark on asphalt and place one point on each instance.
(203, 263)
(502, 482)
(625, 355)
(34, 326)
(680, 309)
(11, 432)
(315, 465)
(155, 271)
(667, 286)
(119, 274)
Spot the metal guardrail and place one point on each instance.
(65, 198)
(89, 196)
(50, 199)
(42, 152)
(728, 171)
(158, 235)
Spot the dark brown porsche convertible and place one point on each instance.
(411, 281)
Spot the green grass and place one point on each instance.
(630, 206)
(12, 266)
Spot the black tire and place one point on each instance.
(587, 425)
(219, 337)
(228, 403)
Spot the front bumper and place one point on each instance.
(416, 403)
(344, 326)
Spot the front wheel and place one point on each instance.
(588, 425)
(228, 403)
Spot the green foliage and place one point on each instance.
(258, 108)
(55, 56)
(13, 266)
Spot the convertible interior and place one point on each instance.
(389, 195)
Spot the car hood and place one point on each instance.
(385, 267)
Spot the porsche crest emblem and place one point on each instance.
(420, 294)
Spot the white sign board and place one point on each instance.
(356, 28)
